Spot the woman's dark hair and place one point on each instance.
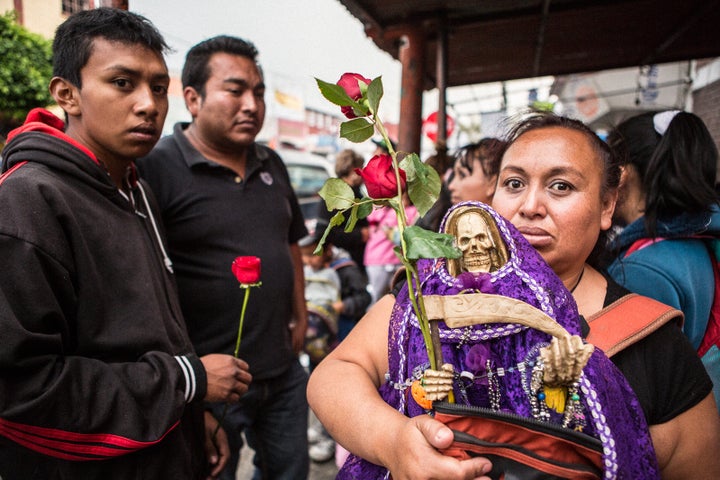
(73, 41)
(196, 72)
(642, 141)
(611, 163)
(677, 168)
(488, 151)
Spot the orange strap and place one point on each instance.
(627, 320)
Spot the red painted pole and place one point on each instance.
(412, 56)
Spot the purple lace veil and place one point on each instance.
(613, 413)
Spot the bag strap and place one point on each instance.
(642, 243)
(646, 242)
(628, 320)
(712, 332)
(339, 263)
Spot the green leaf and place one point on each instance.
(365, 208)
(356, 130)
(361, 109)
(335, 93)
(336, 220)
(423, 243)
(423, 183)
(374, 94)
(337, 194)
(408, 165)
(350, 225)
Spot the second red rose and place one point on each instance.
(379, 177)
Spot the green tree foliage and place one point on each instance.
(25, 72)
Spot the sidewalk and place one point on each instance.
(318, 471)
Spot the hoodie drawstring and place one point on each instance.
(166, 258)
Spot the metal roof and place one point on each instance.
(496, 40)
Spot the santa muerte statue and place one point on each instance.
(512, 361)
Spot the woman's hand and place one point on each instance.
(415, 454)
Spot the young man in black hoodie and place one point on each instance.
(98, 378)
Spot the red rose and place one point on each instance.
(379, 177)
(350, 83)
(246, 270)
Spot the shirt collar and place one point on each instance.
(255, 158)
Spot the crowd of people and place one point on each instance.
(118, 306)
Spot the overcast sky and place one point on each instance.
(301, 39)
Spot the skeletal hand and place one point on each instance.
(564, 360)
(438, 383)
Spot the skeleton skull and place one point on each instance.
(476, 243)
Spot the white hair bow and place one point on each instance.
(662, 120)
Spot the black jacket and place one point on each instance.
(95, 361)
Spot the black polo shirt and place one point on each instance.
(212, 216)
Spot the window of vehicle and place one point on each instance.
(308, 173)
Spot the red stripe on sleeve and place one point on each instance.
(71, 445)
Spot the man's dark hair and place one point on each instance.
(196, 71)
(73, 42)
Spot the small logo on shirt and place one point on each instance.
(266, 178)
